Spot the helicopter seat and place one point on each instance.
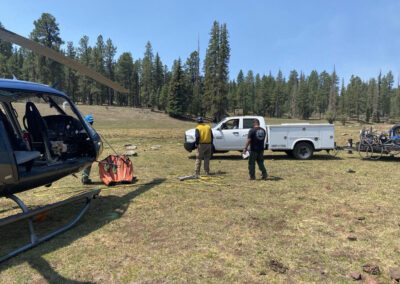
(22, 157)
(37, 128)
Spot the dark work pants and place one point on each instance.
(86, 173)
(256, 156)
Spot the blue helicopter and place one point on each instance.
(43, 138)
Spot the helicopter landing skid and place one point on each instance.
(30, 214)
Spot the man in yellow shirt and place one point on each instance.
(204, 142)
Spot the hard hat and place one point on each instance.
(89, 118)
(200, 119)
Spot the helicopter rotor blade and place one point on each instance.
(59, 57)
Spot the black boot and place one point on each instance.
(86, 180)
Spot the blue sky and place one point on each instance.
(357, 36)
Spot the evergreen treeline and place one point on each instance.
(188, 90)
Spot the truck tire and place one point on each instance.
(303, 151)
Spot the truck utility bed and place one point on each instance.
(285, 136)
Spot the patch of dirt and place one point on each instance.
(277, 266)
(371, 268)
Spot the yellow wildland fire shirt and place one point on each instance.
(203, 134)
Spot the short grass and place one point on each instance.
(221, 228)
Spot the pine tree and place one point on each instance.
(124, 71)
(292, 87)
(265, 95)
(387, 92)
(158, 78)
(322, 100)
(136, 83)
(216, 71)
(372, 104)
(146, 81)
(223, 72)
(279, 95)
(47, 33)
(176, 94)
(192, 100)
(29, 70)
(241, 94)
(313, 87)
(109, 54)
(164, 97)
(70, 74)
(342, 100)
(356, 93)
(210, 68)
(85, 54)
(14, 64)
(303, 99)
(250, 91)
(333, 94)
(257, 93)
(380, 95)
(232, 96)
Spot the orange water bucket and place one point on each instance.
(116, 169)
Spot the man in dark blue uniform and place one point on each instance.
(256, 140)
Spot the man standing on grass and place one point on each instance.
(256, 140)
(86, 172)
(204, 141)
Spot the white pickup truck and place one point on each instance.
(298, 139)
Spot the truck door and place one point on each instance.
(227, 137)
(247, 123)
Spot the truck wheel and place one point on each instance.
(303, 151)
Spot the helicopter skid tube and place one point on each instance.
(29, 214)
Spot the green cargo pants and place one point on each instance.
(256, 156)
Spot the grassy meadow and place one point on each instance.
(312, 221)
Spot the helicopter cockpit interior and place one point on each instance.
(44, 130)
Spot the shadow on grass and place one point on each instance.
(326, 157)
(272, 178)
(384, 159)
(102, 209)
